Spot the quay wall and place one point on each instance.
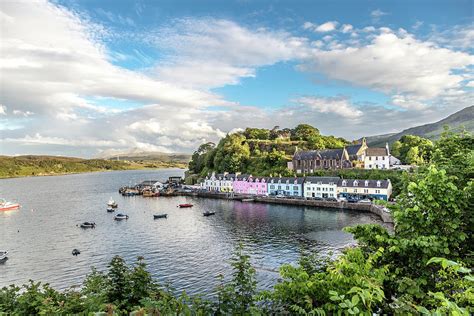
(372, 208)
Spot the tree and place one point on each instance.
(304, 132)
(257, 133)
(422, 153)
(232, 153)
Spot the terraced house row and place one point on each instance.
(307, 187)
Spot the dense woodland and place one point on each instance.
(423, 267)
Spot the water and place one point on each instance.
(186, 250)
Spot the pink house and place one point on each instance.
(257, 186)
(241, 184)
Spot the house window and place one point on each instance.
(344, 183)
(378, 183)
(355, 190)
(366, 183)
(319, 189)
(366, 191)
(287, 187)
(356, 183)
(344, 190)
(272, 187)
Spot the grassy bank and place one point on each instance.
(24, 166)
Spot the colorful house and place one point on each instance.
(219, 182)
(375, 189)
(257, 186)
(320, 187)
(241, 185)
(285, 186)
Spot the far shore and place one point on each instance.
(52, 174)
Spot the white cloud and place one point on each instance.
(394, 65)
(326, 27)
(470, 84)
(208, 53)
(377, 14)
(3, 110)
(340, 106)
(346, 28)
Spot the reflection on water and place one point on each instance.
(186, 250)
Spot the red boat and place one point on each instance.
(185, 205)
(8, 206)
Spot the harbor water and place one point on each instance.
(186, 251)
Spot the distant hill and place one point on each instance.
(457, 121)
(136, 155)
(32, 165)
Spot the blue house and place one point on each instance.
(285, 186)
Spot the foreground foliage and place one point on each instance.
(423, 267)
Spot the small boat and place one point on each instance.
(8, 206)
(110, 209)
(87, 225)
(247, 200)
(208, 213)
(120, 217)
(75, 252)
(112, 203)
(160, 216)
(185, 205)
(3, 255)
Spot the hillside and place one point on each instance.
(31, 165)
(457, 121)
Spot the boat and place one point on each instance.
(208, 213)
(8, 206)
(120, 217)
(160, 216)
(112, 203)
(110, 209)
(3, 255)
(150, 194)
(87, 225)
(75, 252)
(185, 205)
(247, 200)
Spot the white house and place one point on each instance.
(218, 182)
(377, 158)
(321, 187)
(376, 189)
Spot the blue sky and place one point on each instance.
(169, 75)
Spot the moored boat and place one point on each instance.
(110, 209)
(160, 216)
(3, 255)
(112, 203)
(208, 213)
(8, 206)
(87, 225)
(120, 217)
(185, 205)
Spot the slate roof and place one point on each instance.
(361, 183)
(241, 177)
(291, 180)
(323, 180)
(376, 152)
(319, 154)
(353, 149)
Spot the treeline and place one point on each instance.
(49, 165)
(259, 151)
(423, 267)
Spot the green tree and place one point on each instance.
(257, 133)
(232, 153)
(304, 132)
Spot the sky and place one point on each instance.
(91, 78)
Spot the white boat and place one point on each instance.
(8, 206)
(3, 255)
(112, 203)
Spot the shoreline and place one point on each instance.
(371, 208)
(83, 172)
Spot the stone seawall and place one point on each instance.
(375, 209)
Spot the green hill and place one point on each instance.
(31, 165)
(463, 119)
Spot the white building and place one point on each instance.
(377, 158)
(320, 187)
(218, 182)
(375, 189)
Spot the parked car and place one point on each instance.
(331, 199)
(352, 200)
(342, 199)
(280, 196)
(317, 198)
(365, 201)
